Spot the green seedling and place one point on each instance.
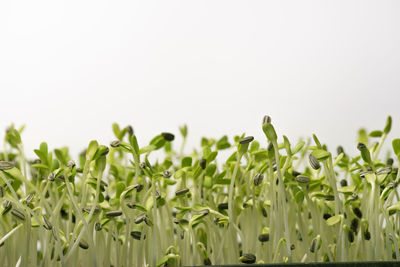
(268, 202)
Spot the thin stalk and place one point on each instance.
(282, 195)
(89, 233)
(380, 144)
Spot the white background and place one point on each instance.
(68, 69)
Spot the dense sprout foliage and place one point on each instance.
(270, 201)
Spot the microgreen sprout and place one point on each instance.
(269, 202)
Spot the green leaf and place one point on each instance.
(91, 151)
(287, 144)
(180, 173)
(100, 151)
(42, 153)
(40, 166)
(375, 133)
(396, 147)
(211, 156)
(254, 146)
(134, 143)
(338, 159)
(363, 136)
(183, 130)
(388, 125)
(126, 147)
(117, 131)
(298, 147)
(17, 177)
(186, 162)
(299, 197)
(334, 220)
(137, 207)
(317, 142)
(61, 156)
(120, 186)
(147, 149)
(223, 143)
(347, 189)
(208, 182)
(17, 136)
(158, 142)
(221, 180)
(260, 155)
(210, 170)
(365, 154)
(320, 154)
(269, 131)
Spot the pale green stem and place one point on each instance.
(282, 195)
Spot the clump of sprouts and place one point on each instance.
(270, 201)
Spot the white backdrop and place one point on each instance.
(68, 69)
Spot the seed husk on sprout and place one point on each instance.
(350, 236)
(181, 192)
(246, 140)
(354, 225)
(115, 143)
(113, 213)
(326, 216)
(83, 244)
(357, 212)
(203, 163)
(313, 245)
(96, 209)
(363, 173)
(263, 237)
(258, 179)
(140, 218)
(29, 199)
(97, 226)
(6, 165)
(18, 214)
(266, 119)
(339, 150)
(314, 163)
(207, 262)
(367, 235)
(142, 165)
(7, 207)
(168, 136)
(51, 177)
(47, 225)
(166, 174)
(248, 258)
(264, 212)
(129, 129)
(71, 164)
(330, 197)
(223, 206)
(383, 170)
(204, 211)
(136, 235)
(301, 179)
